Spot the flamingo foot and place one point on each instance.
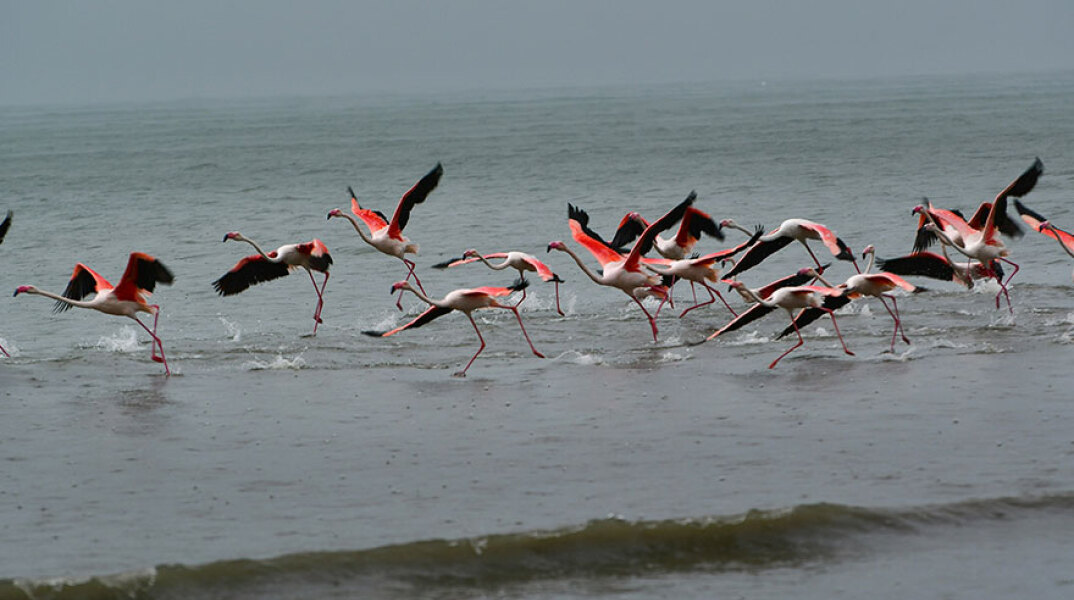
(459, 374)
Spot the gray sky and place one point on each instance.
(107, 50)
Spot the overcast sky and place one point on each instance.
(109, 50)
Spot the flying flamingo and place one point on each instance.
(465, 301)
(701, 269)
(387, 236)
(625, 274)
(693, 224)
(1044, 226)
(789, 299)
(125, 300)
(790, 230)
(3, 231)
(311, 256)
(935, 266)
(520, 261)
(877, 285)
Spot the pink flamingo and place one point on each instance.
(311, 256)
(519, 261)
(465, 301)
(387, 236)
(625, 274)
(142, 275)
(3, 231)
(789, 299)
(790, 230)
(1041, 224)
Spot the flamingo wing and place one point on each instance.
(694, 223)
(430, 313)
(578, 220)
(249, 271)
(629, 230)
(798, 279)
(373, 219)
(84, 281)
(143, 273)
(754, 312)
(757, 253)
(415, 195)
(924, 264)
(462, 260)
(836, 246)
(1035, 220)
(728, 253)
(645, 241)
(5, 226)
(543, 271)
(808, 315)
(316, 253)
(497, 292)
(890, 280)
(1025, 182)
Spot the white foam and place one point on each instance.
(124, 340)
(277, 364)
(580, 358)
(233, 329)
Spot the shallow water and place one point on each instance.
(267, 443)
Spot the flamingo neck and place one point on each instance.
(585, 269)
(354, 223)
(498, 267)
(256, 247)
(421, 296)
(59, 298)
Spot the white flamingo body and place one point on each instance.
(519, 261)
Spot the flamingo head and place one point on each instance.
(25, 288)
(232, 235)
(808, 271)
(631, 216)
(471, 253)
(335, 212)
(556, 246)
(870, 249)
(920, 208)
(401, 285)
(1044, 226)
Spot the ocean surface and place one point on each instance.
(274, 464)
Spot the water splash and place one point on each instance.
(277, 364)
(233, 329)
(125, 340)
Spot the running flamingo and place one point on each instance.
(935, 266)
(311, 256)
(465, 301)
(625, 274)
(519, 261)
(790, 230)
(789, 299)
(1044, 226)
(387, 236)
(142, 275)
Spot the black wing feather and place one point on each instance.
(753, 313)
(417, 195)
(81, 285)
(663, 224)
(152, 272)
(627, 233)
(249, 271)
(757, 253)
(808, 315)
(5, 226)
(430, 313)
(921, 264)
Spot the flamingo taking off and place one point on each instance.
(877, 285)
(1041, 224)
(465, 301)
(142, 275)
(626, 273)
(790, 230)
(311, 256)
(693, 224)
(387, 236)
(935, 266)
(3, 231)
(789, 299)
(519, 261)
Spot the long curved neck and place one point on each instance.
(751, 295)
(734, 225)
(869, 265)
(59, 298)
(256, 247)
(583, 266)
(421, 296)
(948, 241)
(354, 223)
(498, 267)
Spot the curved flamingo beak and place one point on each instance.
(20, 289)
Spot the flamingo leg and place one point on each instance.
(693, 290)
(320, 299)
(898, 321)
(713, 294)
(514, 309)
(792, 348)
(667, 297)
(1003, 285)
(652, 322)
(831, 313)
(810, 251)
(5, 352)
(558, 309)
(462, 373)
(156, 341)
(410, 273)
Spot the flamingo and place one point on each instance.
(625, 274)
(125, 300)
(877, 285)
(520, 261)
(935, 266)
(3, 231)
(701, 269)
(790, 230)
(694, 223)
(1041, 224)
(789, 299)
(387, 236)
(311, 256)
(465, 301)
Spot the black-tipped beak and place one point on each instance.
(329, 217)
(225, 239)
(549, 248)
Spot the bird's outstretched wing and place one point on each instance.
(430, 313)
(84, 281)
(5, 226)
(249, 271)
(415, 195)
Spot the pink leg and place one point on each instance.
(713, 294)
(5, 352)
(320, 299)
(410, 273)
(693, 290)
(652, 322)
(898, 322)
(462, 373)
(521, 299)
(667, 297)
(514, 309)
(1003, 285)
(156, 341)
(831, 313)
(792, 348)
(558, 309)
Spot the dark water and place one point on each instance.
(274, 464)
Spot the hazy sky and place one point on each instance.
(105, 50)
